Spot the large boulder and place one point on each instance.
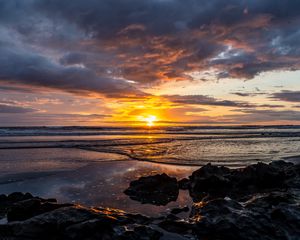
(212, 181)
(209, 180)
(159, 189)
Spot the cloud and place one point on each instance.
(270, 106)
(4, 108)
(46, 119)
(254, 116)
(257, 92)
(73, 58)
(248, 94)
(22, 67)
(164, 40)
(211, 101)
(95, 46)
(244, 94)
(286, 95)
(205, 100)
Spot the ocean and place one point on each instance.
(94, 165)
(180, 145)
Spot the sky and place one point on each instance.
(120, 62)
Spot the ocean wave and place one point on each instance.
(173, 130)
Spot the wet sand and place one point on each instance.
(79, 176)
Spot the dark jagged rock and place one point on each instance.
(267, 217)
(141, 233)
(177, 226)
(6, 201)
(184, 184)
(90, 229)
(209, 180)
(159, 189)
(210, 170)
(23, 210)
(18, 196)
(212, 181)
(171, 216)
(260, 176)
(180, 210)
(78, 223)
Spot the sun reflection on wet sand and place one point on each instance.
(95, 184)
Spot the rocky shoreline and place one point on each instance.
(261, 201)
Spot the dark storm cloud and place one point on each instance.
(108, 17)
(15, 109)
(144, 41)
(22, 67)
(288, 96)
(175, 37)
(73, 58)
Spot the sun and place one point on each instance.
(149, 120)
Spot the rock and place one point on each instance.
(281, 164)
(293, 176)
(176, 226)
(19, 206)
(180, 210)
(159, 189)
(76, 223)
(260, 176)
(6, 201)
(18, 196)
(213, 185)
(209, 180)
(212, 182)
(209, 170)
(23, 210)
(228, 219)
(139, 218)
(90, 229)
(270, 200)
(51, 224)
(184, 184)
(172, 217)
(141, 233)
(3, 198)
